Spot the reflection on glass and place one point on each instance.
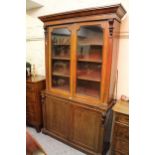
(60, 58)
(89, 60)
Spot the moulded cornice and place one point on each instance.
(117, 9)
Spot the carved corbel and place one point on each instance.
(45, 31)
(103, 118)
(46, 34)
(43, 96)
(111, 21)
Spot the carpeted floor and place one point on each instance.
(53, 146)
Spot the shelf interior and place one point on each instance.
(88, 88)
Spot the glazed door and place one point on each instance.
(59, 59)
(77, 60)
(89, 61)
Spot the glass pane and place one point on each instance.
(88, 88)
(61, 67)
(61, 83)
(61, 59)
(89, 71)
(89, 60)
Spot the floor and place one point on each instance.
(53, 146)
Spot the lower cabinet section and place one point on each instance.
(77, 125)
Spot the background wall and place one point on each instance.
(35, 35)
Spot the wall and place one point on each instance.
(35, 35)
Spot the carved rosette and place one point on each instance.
(111, 21)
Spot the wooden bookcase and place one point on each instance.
(81, 49)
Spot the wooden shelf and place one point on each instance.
(90, 60)
(89, 44)
(60, 58)
(60, 74)
(65, 88)
(61, 44)
(87, 92)
(86, 78)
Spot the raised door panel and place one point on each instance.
(86, 128)
(56, 113)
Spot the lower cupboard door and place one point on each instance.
(56, 116)
(87, 128)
